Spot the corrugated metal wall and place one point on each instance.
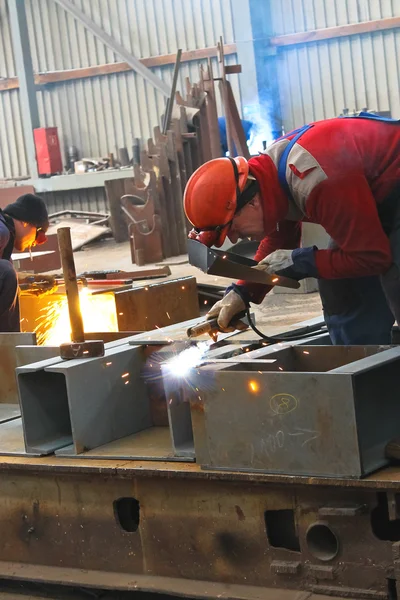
(103, 113)
(317, 80)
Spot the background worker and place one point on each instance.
(23, 224)
(343, 174)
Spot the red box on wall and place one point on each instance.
(48, 154)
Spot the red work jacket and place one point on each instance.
(337, 173)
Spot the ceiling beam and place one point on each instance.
(115, 46)
(329, 33)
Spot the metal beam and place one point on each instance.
(55, 414)
(27, 94)
(109, 41)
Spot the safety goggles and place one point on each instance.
(41, 237)
(215, 236)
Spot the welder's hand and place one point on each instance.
(37, 285)
(277, 261)
(226, 309)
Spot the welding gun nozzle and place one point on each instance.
(209, 327)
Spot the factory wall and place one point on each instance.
(100, 114)
(317, 80)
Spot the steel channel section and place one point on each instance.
(316, 410)
(201, 537)
(83, 403)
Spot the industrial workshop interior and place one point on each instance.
(199, 299)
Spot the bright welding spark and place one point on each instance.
(125, 375)
(280, 368)
(180, 365)
(305, 352)
(275, 279)
(254, 386)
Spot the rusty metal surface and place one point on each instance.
(153, 589)
(384, 479)
(194, 539)
(157, 305)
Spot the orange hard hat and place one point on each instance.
(212, 197)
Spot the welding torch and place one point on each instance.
(213, 329)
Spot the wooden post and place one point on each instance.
(71, 284)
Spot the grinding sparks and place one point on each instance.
(98, 312)
(180, 365)
(305, 352)
(275, 279)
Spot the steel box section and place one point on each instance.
(85, 402)
(331, 417)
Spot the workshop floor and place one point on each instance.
(276, 311)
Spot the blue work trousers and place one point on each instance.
(9, 301)
(362, 311)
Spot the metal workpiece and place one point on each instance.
(9, 362)
(234, 266)
(83, 403)
(179, 416)
(299, 410)
(26, 355)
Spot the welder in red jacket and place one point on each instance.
(343, 174)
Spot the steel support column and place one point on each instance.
(109, 41)
(27, 90)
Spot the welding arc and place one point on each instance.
(303, 333)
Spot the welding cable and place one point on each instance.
(305, 333)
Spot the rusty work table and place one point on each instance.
(386, 478)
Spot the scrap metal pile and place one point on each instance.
(147, 209)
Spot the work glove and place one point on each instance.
(37, 285)
(226, 309)
(277, 261)
(296, 264)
